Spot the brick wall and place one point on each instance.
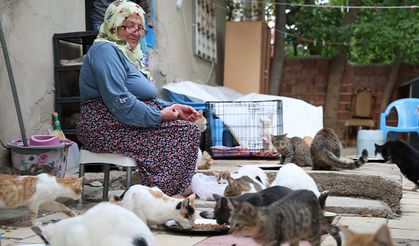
(305, 78)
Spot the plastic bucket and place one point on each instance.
(366, 140)
(33, 160)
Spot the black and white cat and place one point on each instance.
(404, 156)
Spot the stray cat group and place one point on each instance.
(289, 209)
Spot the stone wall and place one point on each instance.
(305, 78)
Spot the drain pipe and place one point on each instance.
(13, 86)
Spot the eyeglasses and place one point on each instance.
(133, 29)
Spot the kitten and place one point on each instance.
(206, 161)
(262, 198)
(325, 152)
(295, 217)
(255, 173)
(201, 121)
(222, 177)
(380, 238)
(155, 208)
(241, 185)
(104, 224)
(404, 156)
(292, 150)
(36, 191)
(266, 132)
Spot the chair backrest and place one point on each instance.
(363, 104)
(407, 112)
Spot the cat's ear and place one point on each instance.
(346, 232)
(248, 209)
(191, 199)
(383, 235)
(216, 197)
(378, 148)
(38, 230)
(200, 112)
(232, 204)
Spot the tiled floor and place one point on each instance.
(404, 229)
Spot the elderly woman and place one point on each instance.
(120, 111)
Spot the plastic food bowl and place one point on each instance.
(44, 140)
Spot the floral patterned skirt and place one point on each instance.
(166, 154)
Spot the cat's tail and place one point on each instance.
(117, 199)
(343, 164)
(334, 232)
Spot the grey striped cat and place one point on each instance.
(292, 150)
(325, 152)
(295, 217)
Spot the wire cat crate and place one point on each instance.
(243, 128)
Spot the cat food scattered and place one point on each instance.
(209, 227)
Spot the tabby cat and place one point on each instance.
(264, 197)
(105, 224)
(242, 185)
(292, 150)
(36, 191)
(404, 156)
(295, 217)
(325, 152)
(380, 238)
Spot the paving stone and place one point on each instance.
(31, 240)
(404, 234)
(163, 238)
(359, 206)
(52, 217)
(362, 224)
(19, 233)
(405, 222)
(409, 208)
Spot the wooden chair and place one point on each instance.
(362, 105)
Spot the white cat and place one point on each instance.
(295, 178)
(255, 173)
(105, 224)
(155, 208)
(38, 191)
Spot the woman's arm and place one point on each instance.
(109, 67)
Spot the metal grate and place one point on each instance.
(243, 128)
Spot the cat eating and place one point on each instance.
(404, 156)
(155, 208)
(36, 191)
(325, 152)
(262, 198)
(295, 217)
(104, 224)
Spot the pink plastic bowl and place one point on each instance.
(44, 140)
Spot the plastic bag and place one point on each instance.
(204, 186)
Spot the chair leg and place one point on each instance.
(129, 177)
(106, 182)
(81, 174)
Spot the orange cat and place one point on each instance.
(380, 238)
(36, 191)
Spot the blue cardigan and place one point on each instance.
(108, 74)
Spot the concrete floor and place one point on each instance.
(404, 229)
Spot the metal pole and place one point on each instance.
(13, 86)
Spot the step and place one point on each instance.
(358, 206)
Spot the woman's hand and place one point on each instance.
(186, 112)
(169, 113)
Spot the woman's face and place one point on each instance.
(132, 30)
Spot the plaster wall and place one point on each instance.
(174, 59)
(29, 26)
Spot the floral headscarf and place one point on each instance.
(114, 17)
